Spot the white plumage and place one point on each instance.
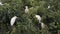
(1, 3)
(26, 9)
(38, 18)
(42, 25)
(48, 6)
(13, 20)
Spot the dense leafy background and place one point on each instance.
(27, 23)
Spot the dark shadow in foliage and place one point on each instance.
(53, 31)
(49, 20)
(8, 22)
(40, 13)
(23, 31)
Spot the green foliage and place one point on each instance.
(27, 23)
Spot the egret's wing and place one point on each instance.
(12, 21)
(38, 17)
(26, 10)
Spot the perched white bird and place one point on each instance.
(48, 6)
(26, 9)
(13, 20)
(1, 3)
(38, 18)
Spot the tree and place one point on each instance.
(27, 23)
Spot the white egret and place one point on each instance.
(48, 6)
(38, 18)
(1, 3)
(13, 19)
(26, 9)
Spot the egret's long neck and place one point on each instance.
(39, 21)
(26, 7)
